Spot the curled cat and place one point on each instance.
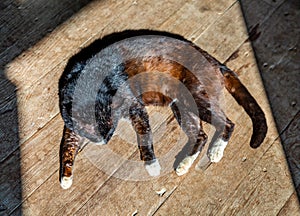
(122, 73)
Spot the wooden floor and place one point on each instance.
(245, 182)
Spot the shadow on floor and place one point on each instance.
(275, 41)
(10, 171)
(22, 24)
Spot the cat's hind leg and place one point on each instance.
(69, 148)
(140, 122)
(224, 129)
(188, 161)
(192, 126)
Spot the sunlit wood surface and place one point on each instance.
(245, 182)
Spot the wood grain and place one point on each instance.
(261, 183)
(275, 46)
(291, 207)
(231, 172)
(231, 34)
(25, 22)
(292, 148)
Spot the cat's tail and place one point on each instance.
(245, 99)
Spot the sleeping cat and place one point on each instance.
(120, 74)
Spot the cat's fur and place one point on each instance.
(189, 120)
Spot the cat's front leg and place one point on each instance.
(69, 148)
(140, 123)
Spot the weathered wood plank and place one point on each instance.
(26, 70)
(9, 135)
(39, 69)
(31, 96)
(132, 184)
(277, 57)
(266, 188)
(234, 170)
(235, 154)
(63, 42)
(274, 3)
(11, 183)
(40, 62)
(25, 22)
(219, 181)
(88, 176)
(138, 196)
(290, 137)
(275, 45)
(82, 29)
(195, 16)
(39, 160)
(94, 190)
(38, 171)
(38, 104)
(252, 195)
(46, 78)
(291, 207)
(49, 51)
(258, 12)
(37, 62)
(40, 201)
(91, 207)
(222, 38)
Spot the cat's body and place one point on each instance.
(149, 79)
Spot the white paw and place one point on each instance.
(153, 169)
(102, 142)
(185, 164)
(215, 152)
(66, 182)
